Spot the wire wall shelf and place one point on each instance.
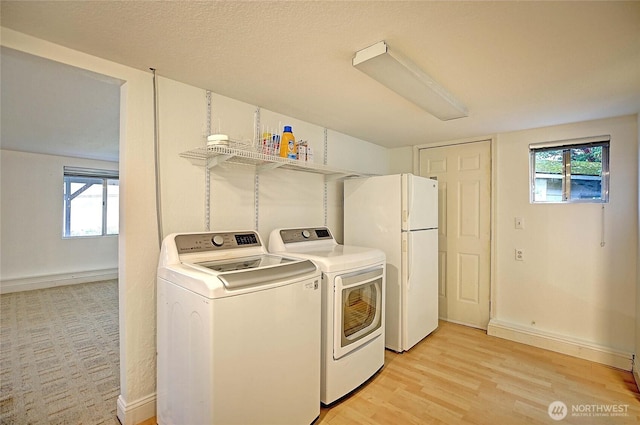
(213, 155)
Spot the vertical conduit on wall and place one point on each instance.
(324, 196)
(156, 147)
(207, 173)
(256, 178)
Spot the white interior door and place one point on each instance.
(464, 201)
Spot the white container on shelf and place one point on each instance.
(218, 139)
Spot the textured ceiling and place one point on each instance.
(515, 65)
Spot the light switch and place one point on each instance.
(519, 222)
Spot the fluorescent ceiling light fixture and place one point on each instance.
(405, 78)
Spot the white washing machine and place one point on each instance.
(353, 291)
(238, 333)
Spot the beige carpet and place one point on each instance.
(59, 355)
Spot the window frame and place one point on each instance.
(86, 173)
(566, 146)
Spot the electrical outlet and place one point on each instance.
(519, 222)
(519, 254)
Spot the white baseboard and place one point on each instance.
(636, 374)
(561, 344)
(53, 280)
(137, 411)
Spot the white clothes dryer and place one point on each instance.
(353, 294)
(238, 333)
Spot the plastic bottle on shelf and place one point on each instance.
(288, 146)
(266, 143)
(275, 145)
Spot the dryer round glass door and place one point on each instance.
(358, 309)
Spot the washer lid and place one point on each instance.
(257, 271)
(244, 263)
(224, 264)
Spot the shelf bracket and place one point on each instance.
(334, 177)
(217, 160)
(271, 166)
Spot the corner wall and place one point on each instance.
(569, 294)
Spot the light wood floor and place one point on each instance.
(459, 375)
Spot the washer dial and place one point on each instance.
(217, 240)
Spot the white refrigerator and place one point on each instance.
(398, 214)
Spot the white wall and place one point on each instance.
(285, 198)
(569, 288)
(401, 160)
(34, 252)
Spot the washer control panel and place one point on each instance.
(305, 235)
(213, 241)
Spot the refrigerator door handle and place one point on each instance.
(406, 243)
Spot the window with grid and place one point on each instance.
(570, 171)
(91, 199)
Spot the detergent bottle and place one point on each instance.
(288, 146)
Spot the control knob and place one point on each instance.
(306, 234)
(217, 240)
